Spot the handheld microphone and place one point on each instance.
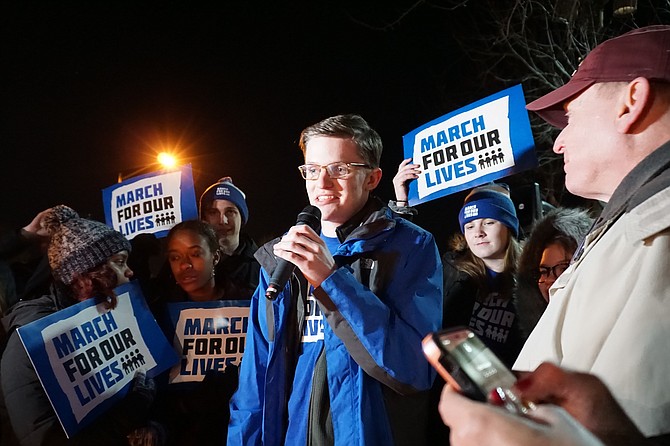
(310, 216)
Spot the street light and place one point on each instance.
(164, 159)
(167, 160)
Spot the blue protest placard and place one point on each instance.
(86, 356)
(151, 203)
(484, 141)
(207, 336)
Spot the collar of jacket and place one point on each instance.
(246, 248)
(650, 176)
(369, 221)
(646, 179)
(365, 222)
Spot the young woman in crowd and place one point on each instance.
(546, 254)
(193, 253)
(196, 413)
(88, 260)
(479, 270)
(479, 267)
(479, 264)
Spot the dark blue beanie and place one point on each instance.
(224, 189)
(489, 204)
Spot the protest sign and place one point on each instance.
(86, 356)
(151, 203)
(207, 336)
(484, 141)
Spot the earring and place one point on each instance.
(213, 272)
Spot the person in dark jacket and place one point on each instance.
(88, 260)
(196, 413)
(545, 255)
(478, 266)
(224, 206)
(25, 270)
(479, 271)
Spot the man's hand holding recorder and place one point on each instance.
(549, 406)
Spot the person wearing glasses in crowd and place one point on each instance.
(336, 359)
(546, 254)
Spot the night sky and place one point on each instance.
(89, 91)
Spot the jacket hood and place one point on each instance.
(573, 223)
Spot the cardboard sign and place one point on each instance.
(86, 356)
(151, 203)
(484, 141)
(207, 336)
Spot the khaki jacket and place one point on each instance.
(609, 313)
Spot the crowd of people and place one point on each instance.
(579, 309)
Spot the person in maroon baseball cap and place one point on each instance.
(609, 313)
(643, 52)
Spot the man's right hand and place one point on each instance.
(473, 424)
(583, 396)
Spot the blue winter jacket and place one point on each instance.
(385, 296)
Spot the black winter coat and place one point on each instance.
(24, 401)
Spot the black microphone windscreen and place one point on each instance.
(310, 216)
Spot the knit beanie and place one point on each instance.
(489, 203)
(78, 244)
(224, 189)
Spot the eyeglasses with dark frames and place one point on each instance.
(335, 170)
(545, 271)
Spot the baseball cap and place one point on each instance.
(643, 52)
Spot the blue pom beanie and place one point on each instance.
(224, 189)
(489, 204)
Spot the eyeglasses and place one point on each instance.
(334, 170)
(556, 270)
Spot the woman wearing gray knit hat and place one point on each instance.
(88, 260)
(87, 256)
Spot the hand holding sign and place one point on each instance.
(481, 142)
(407, 171)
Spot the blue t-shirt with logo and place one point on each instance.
(312, 345)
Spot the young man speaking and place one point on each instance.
(336, 358)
